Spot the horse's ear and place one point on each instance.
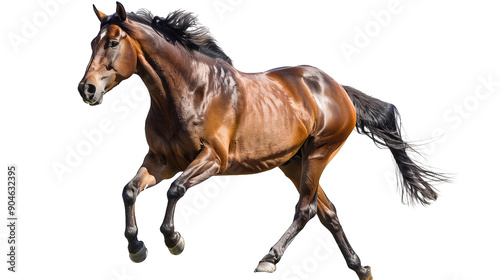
(100, 15)
(120, 11)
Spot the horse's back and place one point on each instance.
(334, 112)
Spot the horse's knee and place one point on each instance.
(176, 191)
(129, 193)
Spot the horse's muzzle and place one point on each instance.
(88, 93)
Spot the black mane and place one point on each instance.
(181, 27)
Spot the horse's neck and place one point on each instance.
(167, 72)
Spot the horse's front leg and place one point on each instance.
(136, 248)
(150, 174)
(205, 165)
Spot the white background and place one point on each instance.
(427, 58)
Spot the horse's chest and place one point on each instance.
(174, 148)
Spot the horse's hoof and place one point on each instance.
(178, 248)
(266, 267)
(139, 256)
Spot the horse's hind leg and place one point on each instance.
(328, 217)
(311, 167)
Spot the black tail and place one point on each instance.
(381, 122)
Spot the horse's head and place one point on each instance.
(114, 57)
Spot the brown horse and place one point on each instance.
(207, 118)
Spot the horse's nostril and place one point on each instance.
(90, 89)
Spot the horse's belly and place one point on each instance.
(265, 145)
(257, 162)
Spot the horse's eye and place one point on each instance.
(113, 44)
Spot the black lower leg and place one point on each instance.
(329, 219)
(302, 216)
(129, 195)
(205, 165)
(172, 237)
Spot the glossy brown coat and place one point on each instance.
(207, 118)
